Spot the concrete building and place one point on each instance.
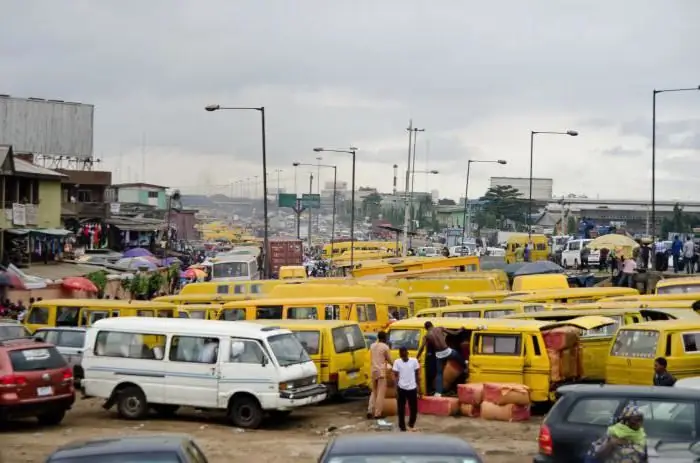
(146, 194)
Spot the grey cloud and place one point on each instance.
(619, 151)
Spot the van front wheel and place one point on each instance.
(132, 404)
(245, 412)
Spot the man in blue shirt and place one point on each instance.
(676, 249)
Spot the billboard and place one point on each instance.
(50, 127)
(541, 187)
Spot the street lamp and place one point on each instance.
(571, 133)
(261, 109)
(466, 216)
(352, 151)
(653, 150)
(413, 174)
(335, 194)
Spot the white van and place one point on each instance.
(571, 254)
(245, 369)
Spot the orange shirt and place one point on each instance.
(380, 356)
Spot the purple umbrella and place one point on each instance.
(168, 261)
(137, 252)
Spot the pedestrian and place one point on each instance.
(603, 259)
(661, 375)
(660, 255)
(629, 267)
(688, 254)
(380, 357)
(613, 262)
(645, 254)
(519, 255)
(585, 253)
(676, 249)
(407, 376)
(527, 253)
(436, 338)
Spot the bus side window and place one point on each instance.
(361, 313)
(371, 312)
(668, 345)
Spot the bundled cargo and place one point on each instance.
(506, 394)
(389, 407)
(452, 371)
(471, 393)
(440, 406)
(560, 338)
(509, 412)
(470, 410)
(565, 364)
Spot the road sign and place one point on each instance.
(311, 201)
(287, 200)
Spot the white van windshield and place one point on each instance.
(288, 350)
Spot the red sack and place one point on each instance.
(560, 338)
(508, 412)
(440, 406)
(473, 411)
(506, 393)
(471, 393)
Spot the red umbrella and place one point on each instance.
(10, 279)
(79, 284)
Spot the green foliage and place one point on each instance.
(138, 286)
(680, 222)
(571, 226)
(99, 279)
(371, 206)
(154, 283)
(505, 203)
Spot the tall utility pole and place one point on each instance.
(311, 190)
(413, 178)
(404, 241)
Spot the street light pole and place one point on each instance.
(311, 185)
(335, 195)
(353, 152)
(278, 190)
(434, 172)
(413, 178)
(261, 110)
(467, 215)
(653, 150)
(571, 133)
(404, 240)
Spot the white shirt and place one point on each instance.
(407, 373)
(660, 246)
(688, 249)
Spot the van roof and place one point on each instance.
(675, 325)
(308, 285)
(322, 323)
(572, 292)
(184, 325)
(482, 306)
(301, 300)
(451, 322)
(203, 297)
(116, 303)
(678, 281)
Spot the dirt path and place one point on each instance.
(299, 438)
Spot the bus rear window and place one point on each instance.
(409, 339)
(233, 315)
(310, 340)
(635, 343)
(348, 338)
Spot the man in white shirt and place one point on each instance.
(407, 376)
(688, 254)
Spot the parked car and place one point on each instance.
(583, 413)
(387, 448)
(69, 341)
(35, 380)
(162, 449)
(13, 330)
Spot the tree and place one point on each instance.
(446, 202)
(571, 225)
(505, 203)
(371, 206)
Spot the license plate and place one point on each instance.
(44, 391)
(352, 375)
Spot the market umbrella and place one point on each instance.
(168, 261)
(137, 252)
(79, 284)
(11, 279)
(622, 244)
(136, 263)
(194, 273)
(539, 267)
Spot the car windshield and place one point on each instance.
(404, 459)
(150, 457)
(288, 350)
(13, 332)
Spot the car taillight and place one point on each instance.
(67, 374)
(545, 440)
(12, 380)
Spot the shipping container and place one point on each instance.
(284, 252)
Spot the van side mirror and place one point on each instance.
(264, 360)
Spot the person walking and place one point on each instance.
(407, 376)
(437, 339)
(629, 267)
(688, 255)
(676, 249)
(380, 357)
(585, 253)
(660, 255)
(661, 375)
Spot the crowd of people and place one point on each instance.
(15, 310)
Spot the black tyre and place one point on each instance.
(165, 410)
(280, 414)
(245, 412)
(51, 418)
(131, 404)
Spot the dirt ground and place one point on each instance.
(299, 438)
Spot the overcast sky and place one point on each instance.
(478, 76)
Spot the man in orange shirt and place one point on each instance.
(380, 356)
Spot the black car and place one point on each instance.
(583, 413)
(153, 449)
(385, 448)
